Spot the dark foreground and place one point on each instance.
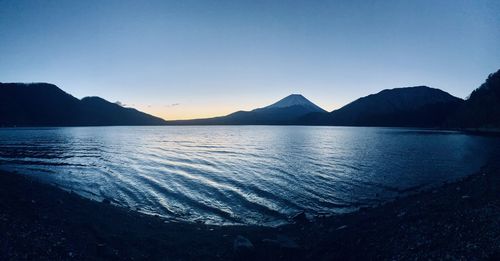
(456, 221)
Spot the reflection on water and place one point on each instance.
(242, 174)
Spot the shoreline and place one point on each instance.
(457, 220)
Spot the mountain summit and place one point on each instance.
(295, 100)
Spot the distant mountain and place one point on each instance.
(283, 112)
(482, 108)
(295, 100)
(43, 104)
(419, 106)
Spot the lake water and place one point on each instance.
(242, 174)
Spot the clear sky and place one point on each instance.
(190, 59)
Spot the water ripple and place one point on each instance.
(242, 174)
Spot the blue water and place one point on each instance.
(242, 174)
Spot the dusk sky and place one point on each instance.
(192, 59)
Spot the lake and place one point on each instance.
(243, 174)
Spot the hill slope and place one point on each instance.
(482, 108)
(43, 104)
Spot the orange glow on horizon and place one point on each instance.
(180, 112)
(188, 112)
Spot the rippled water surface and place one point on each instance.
(242, 174)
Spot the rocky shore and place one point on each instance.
(457, 221)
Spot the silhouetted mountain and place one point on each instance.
(294, 100)
(482, 108)
(285, 111)
(43, 104)
(419, 106)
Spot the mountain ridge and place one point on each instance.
(44, 104)
(415, 106)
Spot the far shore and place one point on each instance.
(476, 131)
(458, 220)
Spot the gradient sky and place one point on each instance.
(190, 59)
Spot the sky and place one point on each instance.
(193, 59)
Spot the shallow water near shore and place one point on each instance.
(243, 174)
